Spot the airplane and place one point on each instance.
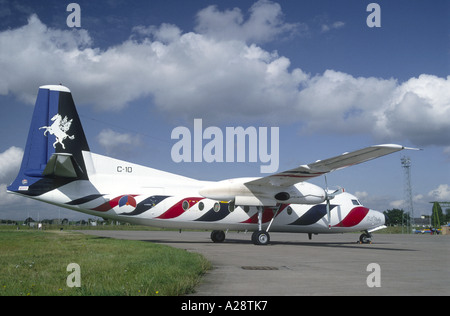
(59, 168)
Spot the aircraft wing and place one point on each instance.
(320, 167)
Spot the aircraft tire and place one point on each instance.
(260, 238)
(217, 236)
(365, 238)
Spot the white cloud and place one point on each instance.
(418, 198)
(333, 26)
(166, 33)
(215, 72)
(398, 204)
(7, 198)
(441, 193)
(34, 53)
(118, 144)
(361, 194)
(265, 23)
(10, 161)
(419, 109)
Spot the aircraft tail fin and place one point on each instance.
(53, 152)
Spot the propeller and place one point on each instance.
(328, 198)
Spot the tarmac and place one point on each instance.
(331, 265)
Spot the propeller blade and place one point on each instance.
(328, 197)
(328, 213)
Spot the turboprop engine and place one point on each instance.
(241, 193)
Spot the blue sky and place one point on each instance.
(314, 69)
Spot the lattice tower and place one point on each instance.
(406, 164)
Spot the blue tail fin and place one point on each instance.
(53, 153)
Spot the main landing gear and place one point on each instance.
(260, 237)
(217, 236)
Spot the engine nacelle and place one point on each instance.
(243, 194)
(301, 193)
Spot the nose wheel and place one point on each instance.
(365, 238)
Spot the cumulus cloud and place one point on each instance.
(10, 161)
(398, 204)
(264, 24)
(118, 144)
(419, 109)
(421, 202)
(333, 26)
(441, 193)
(361, 194)
(220, 72)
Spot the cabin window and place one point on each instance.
(185, 205)
(289, 210)
(201, 206)
(216, 207)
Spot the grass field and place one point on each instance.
(35, 263)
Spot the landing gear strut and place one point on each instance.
(261, 237)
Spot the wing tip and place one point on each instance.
(396, 146)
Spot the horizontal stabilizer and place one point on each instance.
(62, 165)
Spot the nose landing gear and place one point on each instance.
(365, 238)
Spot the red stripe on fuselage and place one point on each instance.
(177, 209)
(354, 217)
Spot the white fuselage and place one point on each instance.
(132, 193)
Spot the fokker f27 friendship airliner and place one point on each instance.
(59, 168)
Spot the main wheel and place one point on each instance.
(217, 236)
(261, 238)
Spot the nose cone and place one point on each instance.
(376, 220)
(379, 219)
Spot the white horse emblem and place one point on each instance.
(59, 128)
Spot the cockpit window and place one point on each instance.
(356, 202)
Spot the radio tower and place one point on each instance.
(406, 164)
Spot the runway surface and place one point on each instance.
(325, 265)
